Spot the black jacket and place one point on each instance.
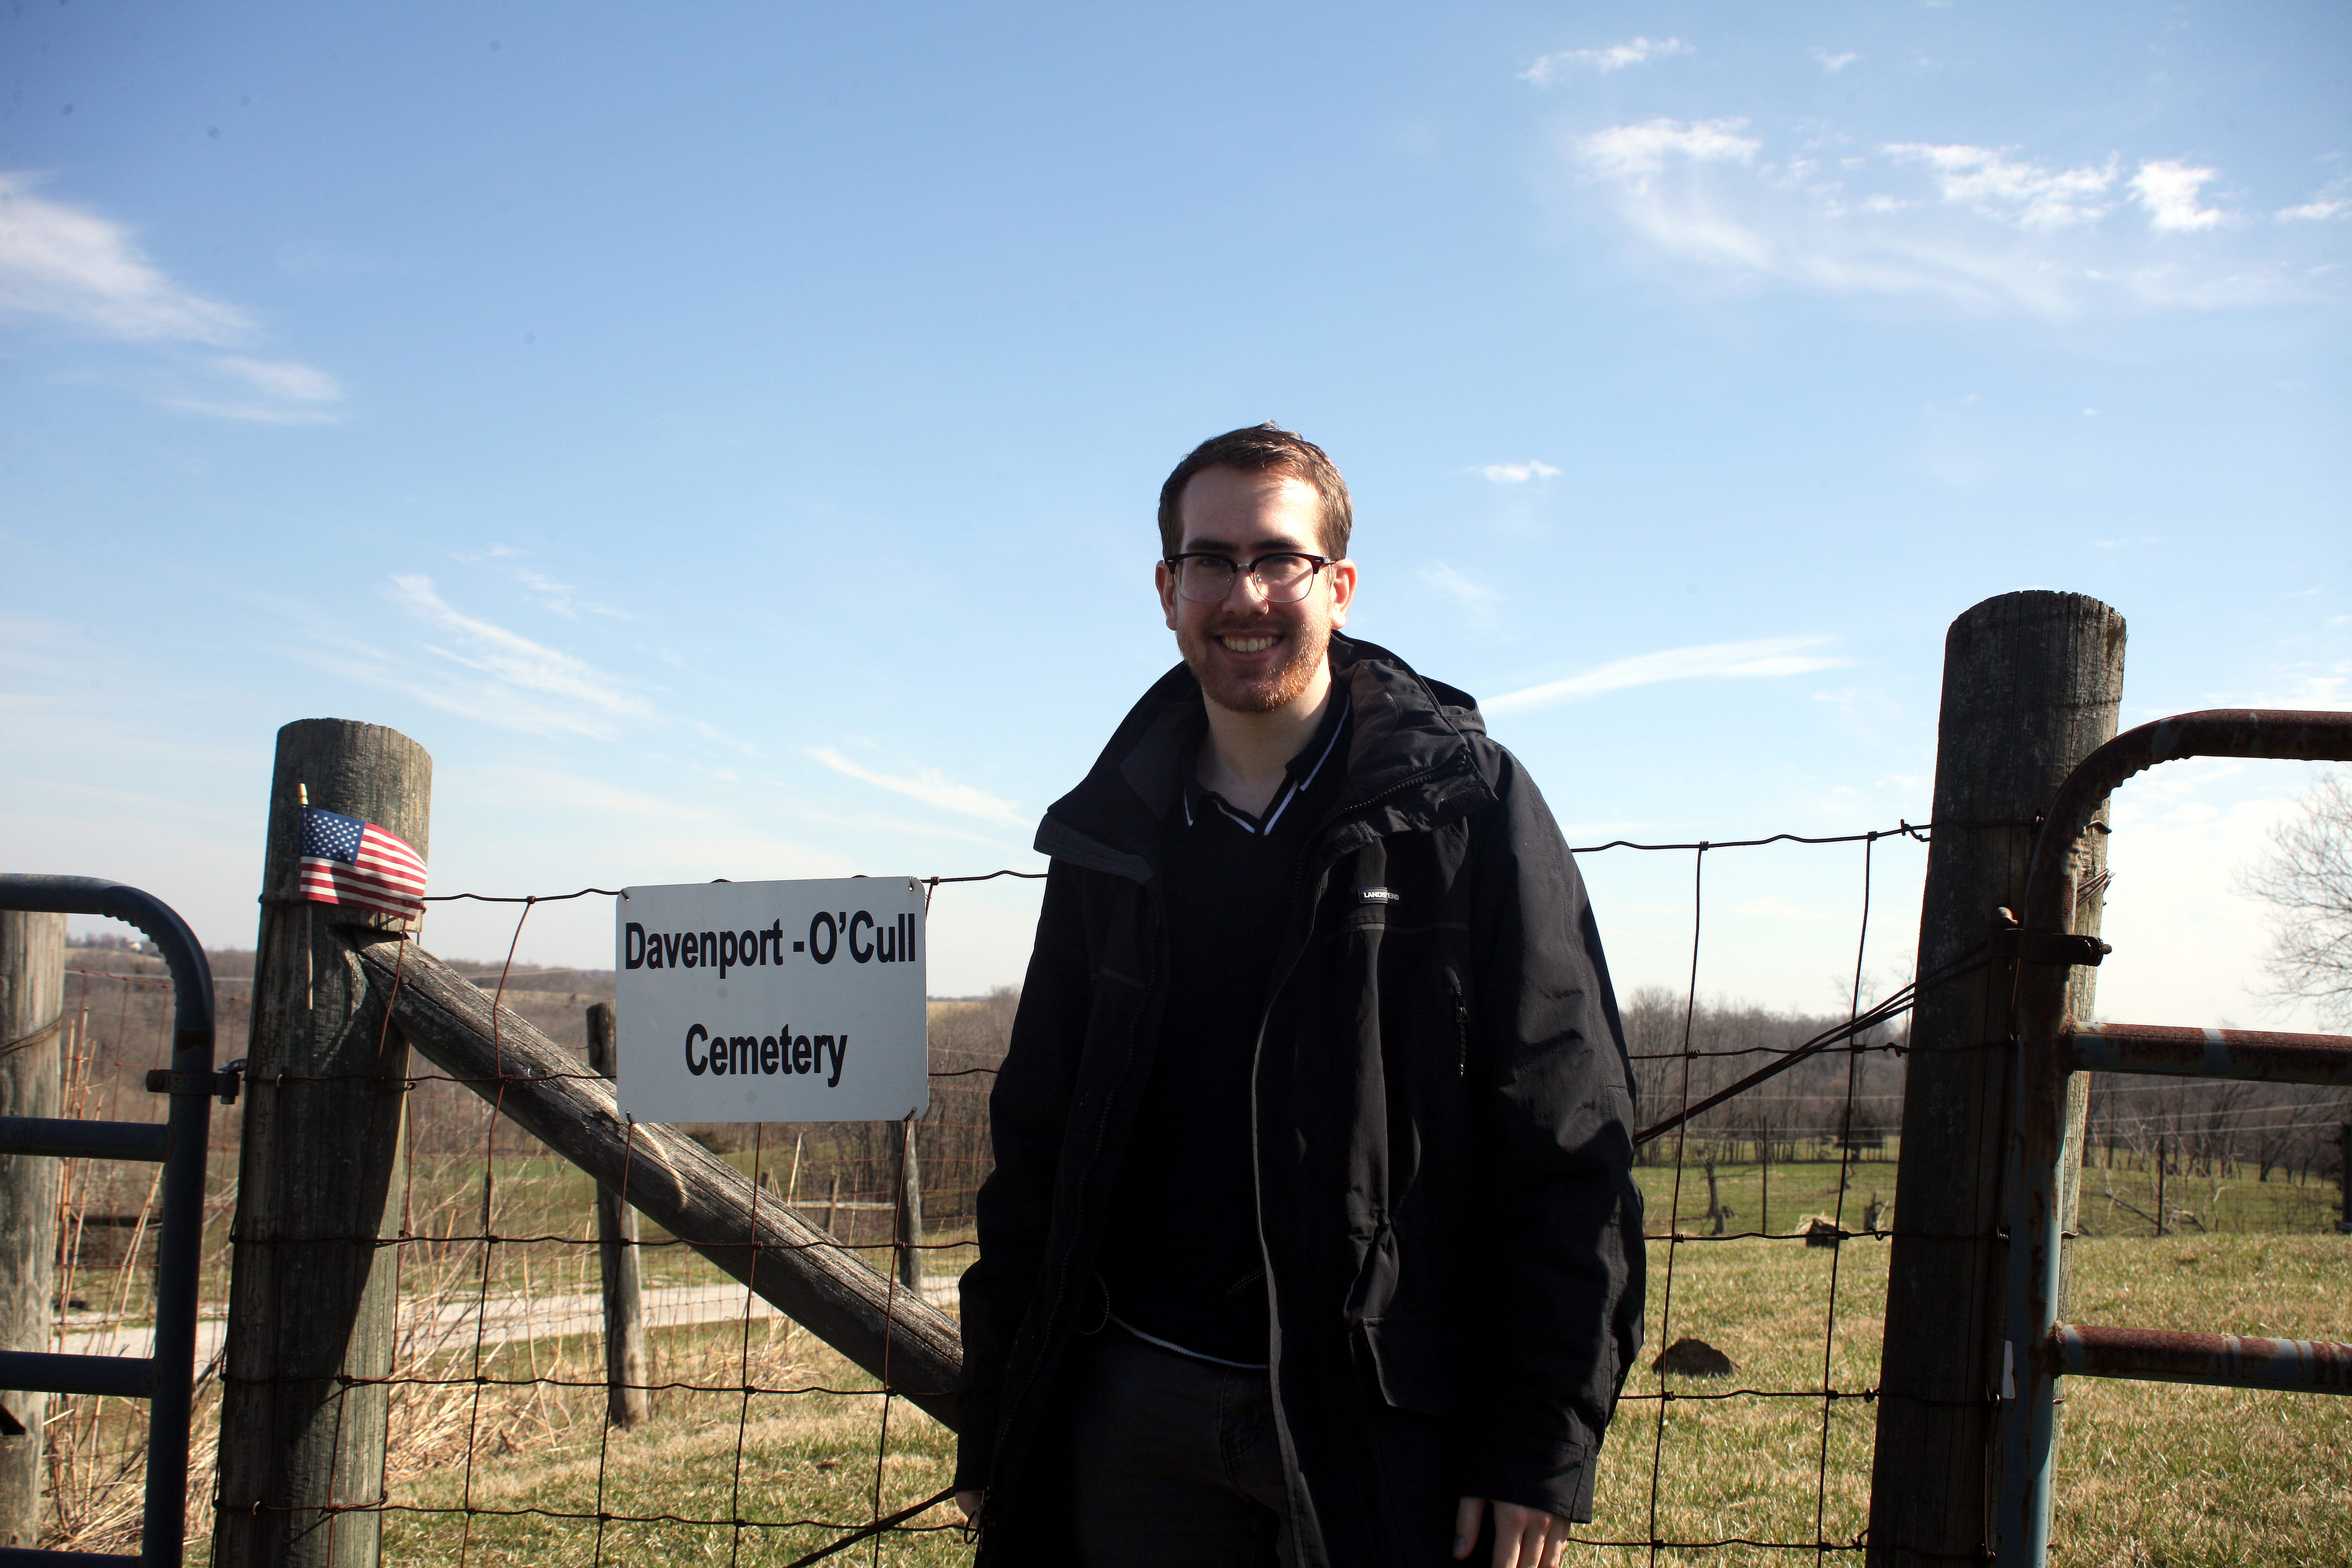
(1443, 1126)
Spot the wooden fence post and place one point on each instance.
(2163, 1157)
(2344, 1226)
(2031, 683)
(910, 1212)
(32, 1003)
(699, 1197)
(627, 1403)
(312, 1297)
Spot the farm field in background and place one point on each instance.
(2148, 1473)
(2118, 1201)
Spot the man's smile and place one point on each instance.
(1247, 642)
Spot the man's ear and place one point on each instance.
(1342, 573)
(1165, 580)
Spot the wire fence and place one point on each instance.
(766, 1446)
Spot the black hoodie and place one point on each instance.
(1443, 1126)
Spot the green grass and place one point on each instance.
(2119, 1201)
(2148, 1473)
(1774, 1201)
(2174, 1477)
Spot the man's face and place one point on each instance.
(1250, 655)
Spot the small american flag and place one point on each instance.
(347, 861)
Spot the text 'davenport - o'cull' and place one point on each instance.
(799, 1000)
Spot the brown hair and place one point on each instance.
(1265, 448)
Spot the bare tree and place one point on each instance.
(2307, 881)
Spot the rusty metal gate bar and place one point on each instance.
(2052, 1047)
(166, 1378)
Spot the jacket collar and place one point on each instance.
(1417, 756)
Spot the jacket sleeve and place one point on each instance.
(1563, 1318)
(1027, 1113)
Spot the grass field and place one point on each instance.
(2148, 1473)
(2118, 1202)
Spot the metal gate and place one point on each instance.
(166, 1379)
(2051, 1046)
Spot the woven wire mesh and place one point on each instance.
(765, 1446)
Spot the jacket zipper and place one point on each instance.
(1274, 993)
(1461, 1025)
(1102, 1120)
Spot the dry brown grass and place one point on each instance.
(2149, 1475)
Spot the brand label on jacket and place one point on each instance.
(773, 1001)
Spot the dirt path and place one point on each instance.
(502, 1320)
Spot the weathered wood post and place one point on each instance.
(2163, 1158)
(910, 1211)
(2032, 682)
(312, 1297)
(32, 1005)
(2344, 1225)
(627, 1403)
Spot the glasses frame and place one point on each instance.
(1241, 569)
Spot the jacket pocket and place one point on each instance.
(1416, 1363)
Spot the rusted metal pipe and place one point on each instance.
(2028, 1391)
(2261, 1056)
(2280, 733)
(2222, 1361)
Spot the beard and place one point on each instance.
(1278, 685)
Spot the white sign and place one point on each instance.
(773, 1001)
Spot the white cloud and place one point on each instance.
(716, 736)
(1475, 596)
(2029, 194)
(2316, 210)
(1516, 473)
(557, 598)
(484, 702)
(1983, 227)
(267, 392)
(513, 659)
(73, 266)
(2169, 190)
(283, 378)
(930, 786)
(2332, 200)
(1764, 657)
(1610, 57)
(1637, 152)
(1832, 64)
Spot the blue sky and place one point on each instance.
(727, 436)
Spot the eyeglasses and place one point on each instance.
(1283, 577)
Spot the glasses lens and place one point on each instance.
(1285, 576)
(1206, 579)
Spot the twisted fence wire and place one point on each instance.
(479, 1376)
(1851, 1038)
(429, 1234)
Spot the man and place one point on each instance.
(1312, 1237)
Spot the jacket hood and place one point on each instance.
(1418, 754)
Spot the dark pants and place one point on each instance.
(1175, 1462)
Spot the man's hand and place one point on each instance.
(1524, 1537)
(970, 1503)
